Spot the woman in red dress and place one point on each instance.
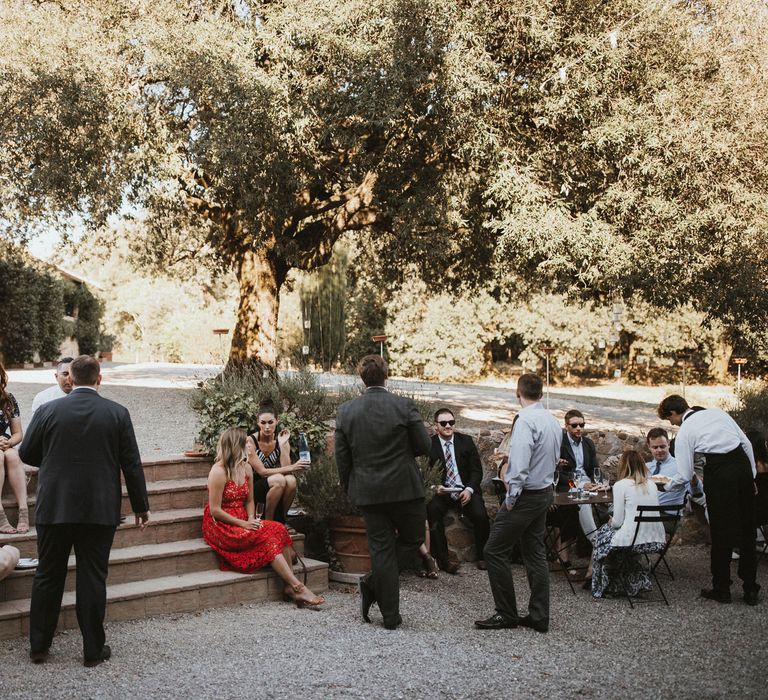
(244, 542)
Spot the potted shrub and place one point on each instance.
(326, 502)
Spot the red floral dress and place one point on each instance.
(240, 549)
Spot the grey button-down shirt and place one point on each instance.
(534, 450)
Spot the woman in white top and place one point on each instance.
(614, 539)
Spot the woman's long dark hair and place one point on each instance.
(6, 406)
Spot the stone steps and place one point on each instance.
(169, 594)
(163, 495)
(160, 470)
(165, 568)
(129, 564)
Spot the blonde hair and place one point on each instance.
(230, 450)
(632, 466)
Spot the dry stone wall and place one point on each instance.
(609, 445)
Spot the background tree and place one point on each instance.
(251, 135)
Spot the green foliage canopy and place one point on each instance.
(254, 134)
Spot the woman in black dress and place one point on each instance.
(270, 458)
(10, 437)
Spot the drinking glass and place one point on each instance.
(571, 479)
(258, 511)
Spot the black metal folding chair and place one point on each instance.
(761, 511)
(655, 514)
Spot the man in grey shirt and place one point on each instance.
(534, 449)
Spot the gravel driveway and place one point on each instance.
(165, 424)
(595, 649)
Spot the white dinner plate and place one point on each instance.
(27, 564)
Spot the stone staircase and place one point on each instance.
(168, 568)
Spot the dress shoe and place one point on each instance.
(393, 625)
(482, 565)
(495, 622)
(532, 624)
(39, 657)
(712, 594)
(367, 598)
(449, 567)
(106, 654)
(751, 597)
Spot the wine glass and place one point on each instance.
(555, 479)
(598, 476)
(258, 511)
(571, 478)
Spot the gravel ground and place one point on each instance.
(165, 424)
(595, 649)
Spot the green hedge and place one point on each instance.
(33, 306)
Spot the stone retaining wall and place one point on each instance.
(693, 528)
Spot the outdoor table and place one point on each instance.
(562, 498)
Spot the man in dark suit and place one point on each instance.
(577, 449)
(81, 443)
(462, 470)
(377, 437)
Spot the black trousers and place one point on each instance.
(526, 524)
(92, 545)
(730, 491)
(388, 525)
(474, 511)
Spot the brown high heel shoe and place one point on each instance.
(292, 592)
(5, 527)
(429, 568)
(23, 525)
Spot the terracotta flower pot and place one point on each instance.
(350, 543)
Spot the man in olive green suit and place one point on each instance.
(378, 435)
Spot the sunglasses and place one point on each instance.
(446, 423)
(576, 425)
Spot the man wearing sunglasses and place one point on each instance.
(577, 523)
(577, 450)
(459, 489)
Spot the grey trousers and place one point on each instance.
(526, 524)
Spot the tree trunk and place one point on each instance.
(721, 358)
(254, 342)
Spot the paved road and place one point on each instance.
(158, 396)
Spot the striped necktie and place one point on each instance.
(451, 474)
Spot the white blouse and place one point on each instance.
(626, 497)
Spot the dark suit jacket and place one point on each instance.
(377, 437)
(81, 443)
(467, 459)
(590, 455)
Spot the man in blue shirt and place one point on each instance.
(534, 449)
(664, 464)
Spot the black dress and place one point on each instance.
(5, 421)
(260, 484)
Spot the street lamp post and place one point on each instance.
(739, 361)
(547, 350)
(380, 339)
(683, 356)
(221, 332)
